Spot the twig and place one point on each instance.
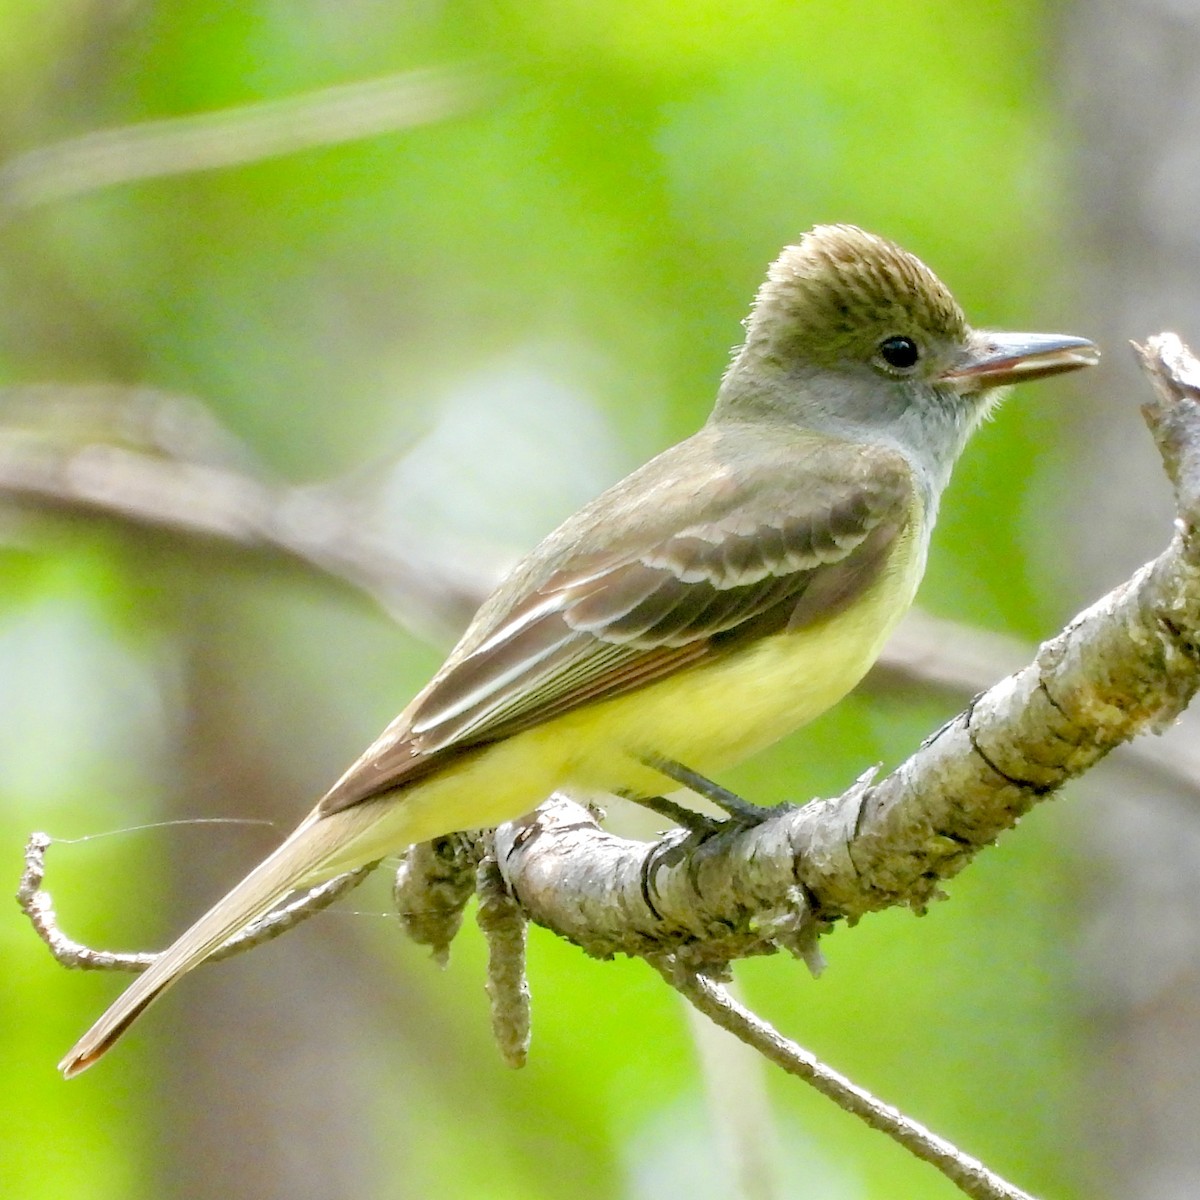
(966, 1173)
(233, 136)
(38, 906)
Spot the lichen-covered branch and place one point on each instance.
(506, 929)
(434, 883)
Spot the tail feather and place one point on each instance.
(297, 862)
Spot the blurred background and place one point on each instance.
(405, 283)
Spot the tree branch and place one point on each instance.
(160, 464)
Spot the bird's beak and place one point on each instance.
(995, 359)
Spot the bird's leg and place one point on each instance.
(740, 810)
(686, 817)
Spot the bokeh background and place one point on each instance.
(511, 281)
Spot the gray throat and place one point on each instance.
(929, 426)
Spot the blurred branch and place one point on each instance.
(946, 656)
(152, 461)
(233, 136)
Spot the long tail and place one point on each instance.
(301, 860)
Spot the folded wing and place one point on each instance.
(770, 557)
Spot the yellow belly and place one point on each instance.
(707, 717)
(717, 714)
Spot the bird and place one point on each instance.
(721, 596)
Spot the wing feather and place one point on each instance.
(586, 628)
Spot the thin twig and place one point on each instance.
(968, 1174)
(38, 906)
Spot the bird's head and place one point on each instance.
(851, 332)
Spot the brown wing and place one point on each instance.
(778, 551)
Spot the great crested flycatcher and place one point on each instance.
(726, 593)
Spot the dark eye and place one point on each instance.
(899, 352)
